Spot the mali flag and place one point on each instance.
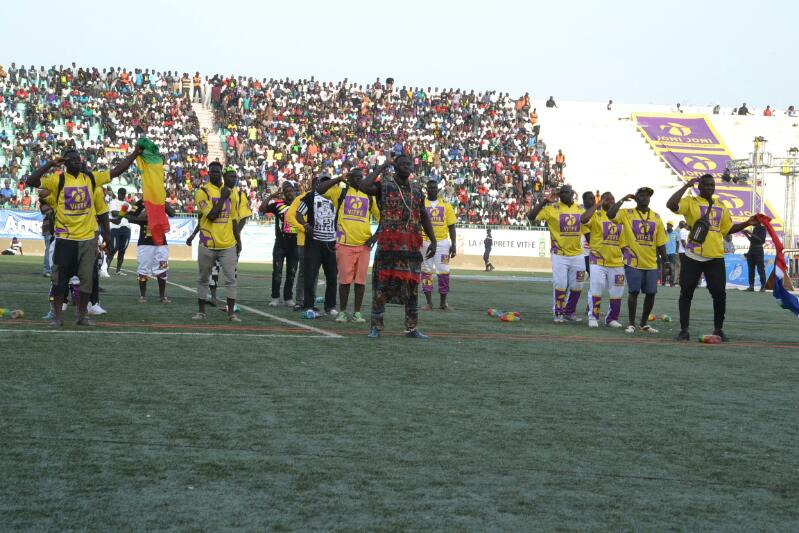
(779, 280)
(151, 165)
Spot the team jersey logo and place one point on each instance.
(569, 224)
(618, 280)
(436, 214)
(224, 215)
(355, 208)
(611, 232)
(77, 199)
(644, 231)
(714, 217)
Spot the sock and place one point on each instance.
(615, 310)
(427, 283)
(443, 284)
(571, 304)
(596, 303)
(560, 302)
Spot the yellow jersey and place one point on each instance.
(244, 205)
(353, 228)
(74, 207)
(692, 208)
(606, 240)
(216, 234)
(564, 224)
(291, 218)
(643, 234)
(442, 216)
(100, 205)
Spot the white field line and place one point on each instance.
(173, 333)
(263, 313)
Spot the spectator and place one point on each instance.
(197, 84)
(6, 193)
(672, 244)
(767, 112)
(743, 110)
(14, 249)
(26, 201)
(755, 257)
(560, 162)
(551, 102)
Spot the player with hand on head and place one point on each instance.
(562, 216)
(710, 222)
(606, 262)
(645, 239)
(397, 266)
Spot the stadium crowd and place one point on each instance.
(484, 148)
(101, 112)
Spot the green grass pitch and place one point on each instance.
(151, 421)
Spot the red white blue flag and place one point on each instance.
(780, 281)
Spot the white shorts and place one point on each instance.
(610, 279)
(153, 260)
(568, 272)
(439, 263)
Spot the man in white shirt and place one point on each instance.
(120, 233)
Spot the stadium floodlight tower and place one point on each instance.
(761, 160)
(789, 167)
(755, 168)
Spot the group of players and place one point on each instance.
(625, 246)
(330, 226)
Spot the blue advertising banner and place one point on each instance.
(738, 270)
(28, 225)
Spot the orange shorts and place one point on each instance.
(353, 263)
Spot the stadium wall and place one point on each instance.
(520, 249)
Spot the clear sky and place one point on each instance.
(635, 51)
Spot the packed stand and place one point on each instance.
(102, 112)
(484, 148)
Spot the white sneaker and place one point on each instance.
(593, 323)
(332, 312)
(559, 319)
(104, 274)
(96, 310)
(274, 302)
(574, 318)
(630, 329)
(289, 303)
(614, 324)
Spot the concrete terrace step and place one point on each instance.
(216, 152)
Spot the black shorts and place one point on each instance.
(74, 258)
